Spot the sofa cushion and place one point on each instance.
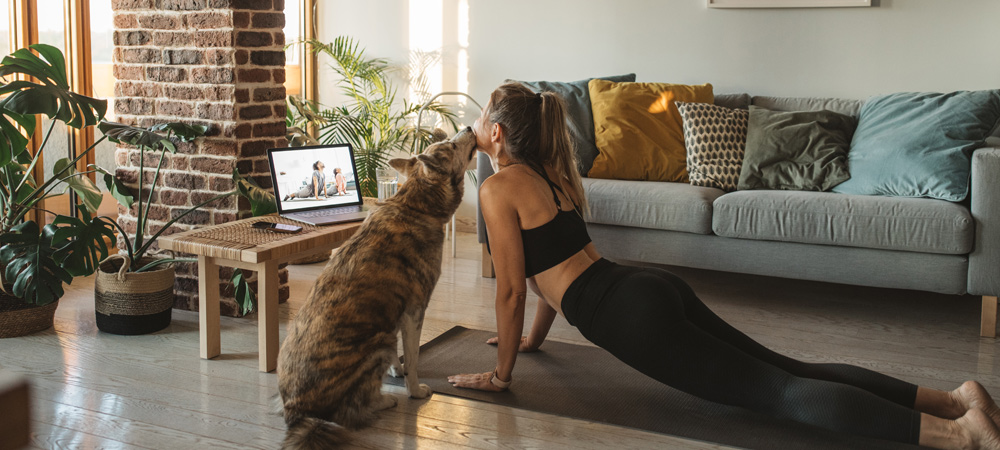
(892, 223)
(796, 150)
(651, 204)
(579, 116)
(839, 105)
(733, 101)
(919, 144)
(638, 131)
(714, 137)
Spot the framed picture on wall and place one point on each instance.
(788, 3)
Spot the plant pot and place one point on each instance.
(132, 303)
(19, 318)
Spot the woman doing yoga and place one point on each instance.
(317, 184)
(651, 319)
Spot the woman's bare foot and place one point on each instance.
(971, 395)
(980, 431)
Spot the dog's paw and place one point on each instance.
(395, 370)
(422, 391)
(385, 402)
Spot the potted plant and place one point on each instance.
(134, 292)
(35, 261)
(371, 118)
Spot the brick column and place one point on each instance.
(217, 63)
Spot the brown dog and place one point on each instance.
(330, 366)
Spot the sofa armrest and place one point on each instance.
(483, 170)
(984, 261)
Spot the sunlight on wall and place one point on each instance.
(427, 35)
(463, 49)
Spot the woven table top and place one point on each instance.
(239, 241)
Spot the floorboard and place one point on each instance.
(96, 390)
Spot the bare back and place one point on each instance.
(518, 195)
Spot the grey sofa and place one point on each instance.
(906, 243)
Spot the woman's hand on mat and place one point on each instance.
(479, 381)
(524, 347)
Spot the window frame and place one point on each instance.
(79, 63)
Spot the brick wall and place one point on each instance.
(217, 63)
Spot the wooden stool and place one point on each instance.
(237, 244)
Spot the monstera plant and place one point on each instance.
(36, 260)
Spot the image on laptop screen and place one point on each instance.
(314, 177)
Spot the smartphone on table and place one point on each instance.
(276, 227)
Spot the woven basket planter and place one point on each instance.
(18, 318)
(132, 303)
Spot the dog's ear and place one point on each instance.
(403, 165)
(431, 164)
(438, 135)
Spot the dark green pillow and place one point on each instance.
(798, 150)
(580, 116)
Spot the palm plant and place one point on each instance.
(371, 119)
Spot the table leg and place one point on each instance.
(267, 315)
(208, 307)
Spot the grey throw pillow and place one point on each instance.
(800, 150)
(580, 116)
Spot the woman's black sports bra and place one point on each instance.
(547, 245)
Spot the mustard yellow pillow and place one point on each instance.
(638, 130)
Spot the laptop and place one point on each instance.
(306, 186)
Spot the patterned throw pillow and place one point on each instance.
(715, 138)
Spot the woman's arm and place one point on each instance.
(316, 187)
(500, 216)
(544, 316)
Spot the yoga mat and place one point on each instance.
(589, 383)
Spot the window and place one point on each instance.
(83, 31)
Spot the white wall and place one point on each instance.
(900, 45)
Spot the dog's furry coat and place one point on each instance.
(378, 283)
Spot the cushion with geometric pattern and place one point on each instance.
(715, 138)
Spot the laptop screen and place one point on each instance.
(314, 177)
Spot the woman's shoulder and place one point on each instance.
(498, 188)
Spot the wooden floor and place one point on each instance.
(96, 390)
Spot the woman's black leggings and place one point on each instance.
(652, 320)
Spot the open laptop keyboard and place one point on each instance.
(328, 212)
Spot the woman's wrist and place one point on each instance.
(496, 381)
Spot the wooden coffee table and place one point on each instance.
(237, 244)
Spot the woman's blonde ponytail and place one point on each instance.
(555, 138)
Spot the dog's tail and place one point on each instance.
(311, 433)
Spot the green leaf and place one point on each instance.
(261, 200)
(81, 184)
(51, 94)
(245, 297)
(14, 143)
(27, 255)
(185, 132)
(297, 137)
(160, 262)
(85, 246)
(149, 138)
(118, 190)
